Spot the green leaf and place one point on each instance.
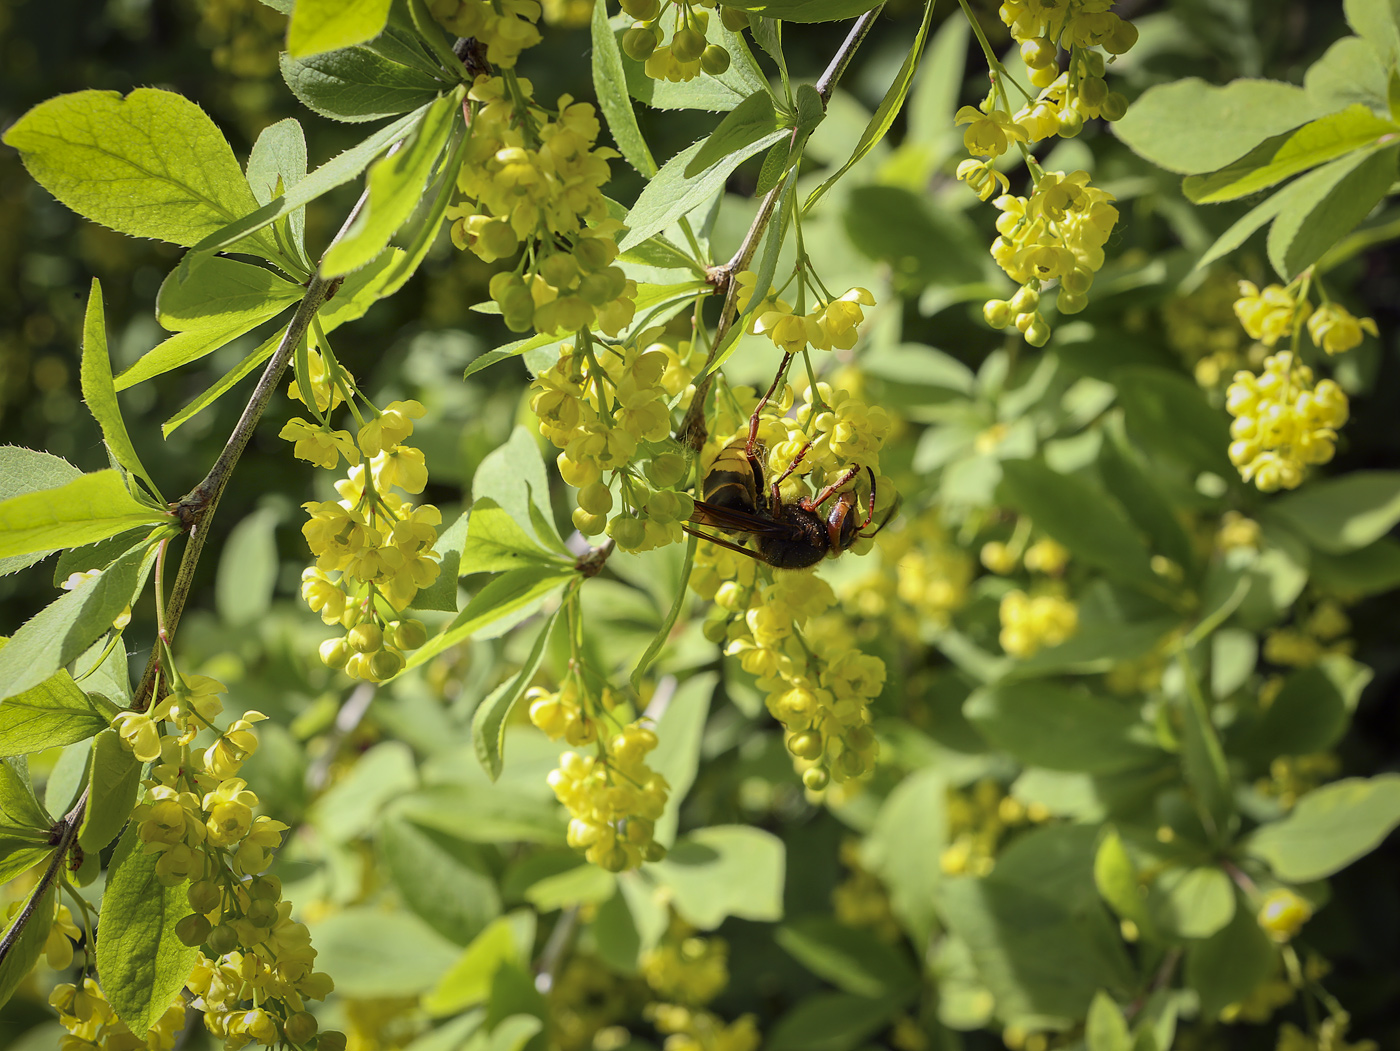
(371, 952)
(151, 164)
(66, 627)
(580, 885)
(24, 952)
(1371, 570)
(1243, 227)
(101, 395)
(1106, 1029)
(672, 193)
(468, 982)
(445, 881)
(325, 25)
(248, 568)
(50, 715)
(114, 777)
(421, 234)
(1196, 903)
(184, 347)
(1378, 23)
(1080, 516)
(486, 813)
(745, 124)
(855, 960)
(1116, 878)
(277, 161)
(805, 10)
(1308, 715)
(1345, 192)
(721, 871)
(27, 471)
(507, 600)
(1226, 967)
(514, 478)
(831, 1022)
(1284, 156)
(1348, 72)
(20, 809)
(889, 106)
(142, 963)
(1059, 727)
(1096, 648)
(496, 541)
(1191, 127)
(1167, 415)
(680, 733)
(395, 185)
(351, 806)
(214, 291)
(1338, 515)
(357, 84)
(906, 844)
(1038, 955)
(489, 720)
(91, 507)
(610, 85)
(335, 172)
(1330, 827)
(1128, 480)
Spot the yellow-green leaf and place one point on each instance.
(91, 507)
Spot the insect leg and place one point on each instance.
(762, 402)
(825, 495)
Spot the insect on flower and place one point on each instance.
(787, 535)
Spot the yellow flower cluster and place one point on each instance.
(688, 972)
(503, 27)
(373, 550)
(685, 968)
(818, 685)
(197, 815)
(1042, 27)
(608, 408)
(923, 583)
(1029, 623)
(1283, 422)
(979, 819)
(1057, 234)
(614, 800)
(1278, 311)
(93, 1025)
(831, 324)
(1198, 327)
(687, 53)
(534, 179)
(1319, 634)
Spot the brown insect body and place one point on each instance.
(786, 535)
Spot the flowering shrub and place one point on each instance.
(753, 641)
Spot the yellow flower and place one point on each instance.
(319, 445)
(402, 466)
(390, 427)
(984, 180)
(989, 134)
(1270, 315)
(1336, 330)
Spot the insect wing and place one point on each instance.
(717, 517)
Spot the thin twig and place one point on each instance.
(692, 431)
(196, 508)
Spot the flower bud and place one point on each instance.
(193, 929)
(335, 652)
(408, 634)
(714, 60)
(366, 637)
(1025, 300)
(734, 19)
(687, 45)
(997, 313)
(589, 524)
(816, 779)
(222, 939)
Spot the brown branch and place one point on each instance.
(63, 835)
(692, 431)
